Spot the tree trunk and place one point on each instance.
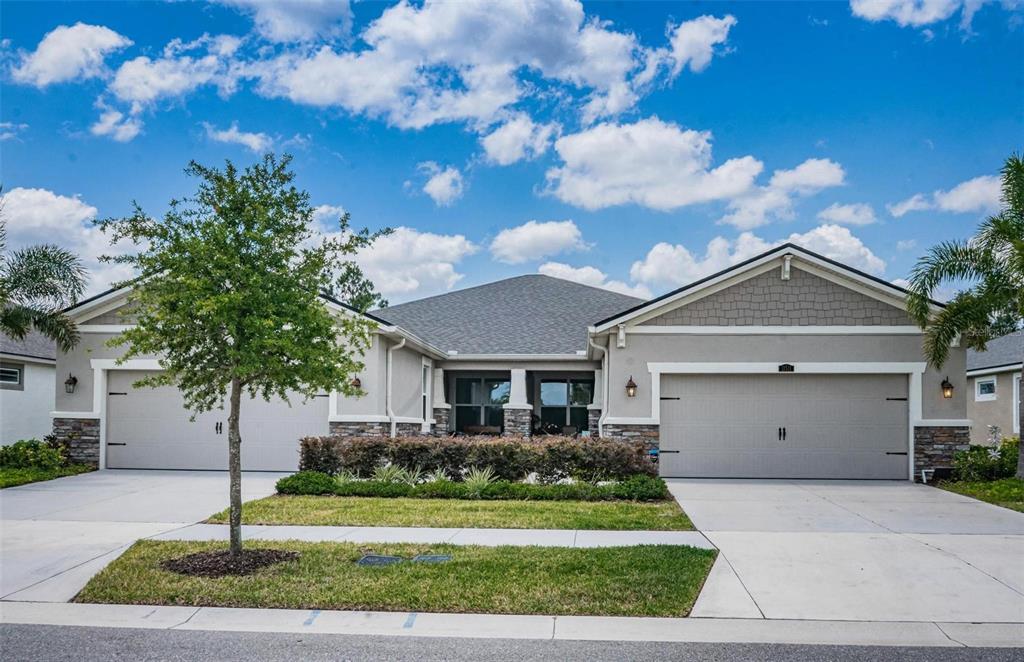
(235, 468)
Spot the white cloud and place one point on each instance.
(764, 204)
(327, 216)
(68, 53)
(254, 142)
(517, 139)
(693, 42)
(651, 163)
(410, 264)
(462, 62)
(667, 265)
(10, 130)
(115, 124)
(594, 277)
(39, 216)
(858, 213)
(906, 245)
(297, 20)
(143, 80)
(979, 195)
(443, 185)
(535, 240)
(917, 13)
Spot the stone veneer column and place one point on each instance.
(517, 415)
(594, 421)
(934, 447)
(650, 435)
(359, 429)
(441, 417)
(82, 438)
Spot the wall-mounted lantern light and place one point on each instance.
(356, 383)
(947, 388)
(631, 388)
(70, 383)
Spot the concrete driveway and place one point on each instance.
(856, 550)
(55, 535)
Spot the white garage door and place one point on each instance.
(784, 426)
(149, 428)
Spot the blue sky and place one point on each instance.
(634, 146)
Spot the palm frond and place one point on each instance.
(44, 276)
(57, 327)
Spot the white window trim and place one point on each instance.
(21, 376)
(427, 393)
(986, 397)
(913, 370)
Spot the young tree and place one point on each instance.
(993, 260)
(229, 297)
(36, 284)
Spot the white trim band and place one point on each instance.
(773, 330)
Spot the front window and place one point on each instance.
(563, 402)
(11, 375)
(985, 389)
(478, 403)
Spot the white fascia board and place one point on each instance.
(104, 328)
(943, 423)
(740, 368)
(104, 304)
(130, 364)
(1011, 367)
(517, 357)
(19, 358)
(774, 330)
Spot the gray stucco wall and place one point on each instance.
(991, 412)
(767, 300)
(91, 346)
(643, 349)
(373, 378)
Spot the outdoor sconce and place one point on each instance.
(70, 383)
(947, 388)
(631, 388)
(356, 383)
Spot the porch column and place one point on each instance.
(594, 408)
(518, 411)
(441, 408)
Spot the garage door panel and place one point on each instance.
(149, 428)
(836, 426)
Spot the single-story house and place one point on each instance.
(788, 365)
(27, 374)
(993, 387)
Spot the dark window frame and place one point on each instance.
(569, 406)
(13, 386)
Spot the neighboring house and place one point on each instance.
(993, 385)
(786, 365)
(27, 370)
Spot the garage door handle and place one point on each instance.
(116, 443)
(783, 434)
(896, 452)
(663, 452)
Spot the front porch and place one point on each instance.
(517, 401)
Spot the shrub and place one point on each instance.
(510, 458)
(306, 482)
(641, 488)
(987, 463)
(31, 454)
(374, 488)
(477, 481)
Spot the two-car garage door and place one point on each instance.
(149, 428)
(784, 426)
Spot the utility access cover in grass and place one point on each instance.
(379, 559)
(432, 558)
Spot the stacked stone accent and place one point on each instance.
(359, 429)
(648, 434)
(934, 446)
(518, 422)
(410, 430)
(441, 417)
(593, 418)
(82, 438)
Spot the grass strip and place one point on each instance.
(1006, 492)
(10, 477)
(445, 513)
(651, 580)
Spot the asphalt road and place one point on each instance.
(46, 642)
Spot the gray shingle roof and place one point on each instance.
(531, 314)
(34, 344)
(1006, 350)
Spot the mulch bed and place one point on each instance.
(222, 563)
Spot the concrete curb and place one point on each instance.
(453, 536)
(594, 628)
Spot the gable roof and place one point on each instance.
(1005, 351)
(33, 345)
(532, 314)
(873, 282)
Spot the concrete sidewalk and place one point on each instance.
(591, 628)
(487, 537)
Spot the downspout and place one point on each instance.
(604, 386)
(388, 379)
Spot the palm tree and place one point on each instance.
(993, 263)
(36, 284)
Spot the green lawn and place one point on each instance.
(649, 580)
(12, 477)
(372, 511)
(1007, 492)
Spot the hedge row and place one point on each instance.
(511, 458)
(636, 488)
